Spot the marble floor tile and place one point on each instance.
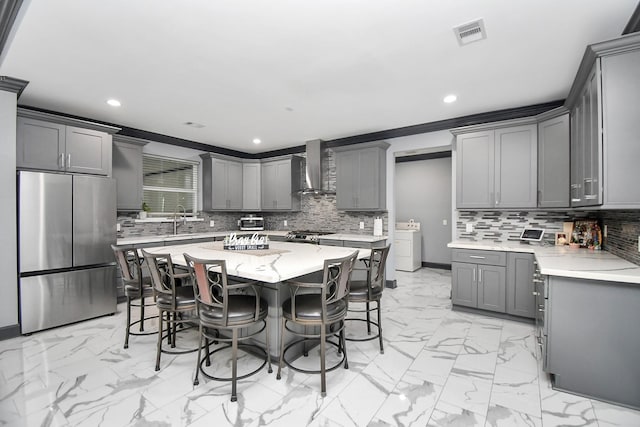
(439, 368)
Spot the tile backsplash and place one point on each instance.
(623, 227)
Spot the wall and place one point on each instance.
(8, 237)
(318, 213)
(423, 193)
(623, 230)
(623, 227)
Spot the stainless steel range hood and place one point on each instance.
(313, 172)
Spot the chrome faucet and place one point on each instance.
(175, 218)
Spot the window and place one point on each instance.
(169, 183)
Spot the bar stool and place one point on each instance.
(369, 291)
(174, 302)
(136, 289)
(225, 306)
(324, 310)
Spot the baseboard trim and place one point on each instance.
(492, 314)
(436, 265)
(7, 332)
(392, 284)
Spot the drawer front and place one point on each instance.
(479, 257)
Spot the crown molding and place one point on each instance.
(10, 84)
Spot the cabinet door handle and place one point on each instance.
(61, 160)
(535, 293)
(479, 276)
(476, 256)
(497, 197)
(474, 275)
(68, 160)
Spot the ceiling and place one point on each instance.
(292, 71)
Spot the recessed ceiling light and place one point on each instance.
(450, 98)
(113, 102)
(256, 140)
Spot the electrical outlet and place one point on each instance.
(285, 222)
(469, 228)
(444, 222)
(118, 226)
(238, 223)
(212, 223)
(361, 225)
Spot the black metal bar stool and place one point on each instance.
(323, 310)
(225, 306)
(175, 303)
(369, 291)
(137, 289)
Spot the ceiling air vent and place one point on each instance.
(470, 32)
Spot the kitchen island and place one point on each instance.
(271, 267)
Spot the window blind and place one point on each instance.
(168, 182)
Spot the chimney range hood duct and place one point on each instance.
(313, 172)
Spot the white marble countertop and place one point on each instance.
(565, 261)
(292, 260)
(138, 240)
(354, 237)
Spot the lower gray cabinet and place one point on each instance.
(478, 286)
(520, 286)
(493, 280)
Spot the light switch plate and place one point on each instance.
(469, 228)
(444, 222)
(211, 223)
(285, 222)
(361, 225)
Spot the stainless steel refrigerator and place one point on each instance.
(66, 266)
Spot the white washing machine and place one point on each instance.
(408, 246)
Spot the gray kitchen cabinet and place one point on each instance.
(127, 171)
(478, 279)
(496, 165)
(520, 287)
(553, 159)
(251, 187)
(596, 323)
(474, 170)
(280, 182)
(361, 177)
(45, 144)
(605, 125)
(221, 183)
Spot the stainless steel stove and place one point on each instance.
(305, 236)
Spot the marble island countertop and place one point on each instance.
(353, 237)
(146, 240)
(282, 261)
(565, 261)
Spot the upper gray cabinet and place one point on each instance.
(127, 171)
(361, 177)
(48, 142)
(605, 128)
(221, 183)
(553, 159)
(496, 165)
(251, 186)
(280, 182)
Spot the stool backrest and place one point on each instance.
(162, 273)
(337, 276)
(377, 264)
(130, 264)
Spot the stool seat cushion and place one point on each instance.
(241, 310)
(132, 290)
(359, 291)
(184, 298)
(309, 308)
